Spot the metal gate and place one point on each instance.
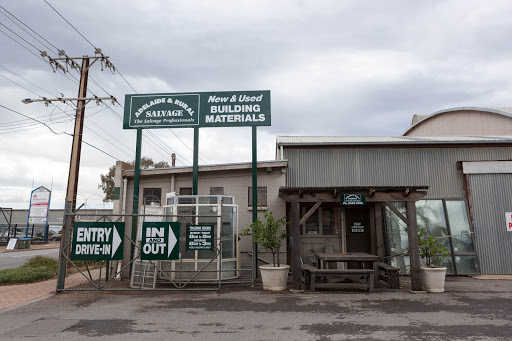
(191, 270)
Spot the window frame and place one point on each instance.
(152, 189)
(249, 196)
(453, 254)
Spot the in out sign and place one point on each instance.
(160, 241)
(508, 218)
(97, 241)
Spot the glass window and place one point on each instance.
(327, 220)
(440, 223)
(262, 196)
(216, 190)
(312, 223)
(466, 265)
(430, 215)
(152, 195)
(459, 226)
(186, 191)
(397, 240)
(186, 217)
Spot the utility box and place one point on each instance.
(24, 243)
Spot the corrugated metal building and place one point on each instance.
(459, 196)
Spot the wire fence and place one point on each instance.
(91, 258)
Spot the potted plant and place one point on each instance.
(269, 234)
(432, 253)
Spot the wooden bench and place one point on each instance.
(309, 276)
(389, 274)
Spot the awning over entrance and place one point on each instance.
(372, 193)
(379, 195)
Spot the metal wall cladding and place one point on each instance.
(492, 197)
(356, 166)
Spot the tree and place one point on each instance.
(107, 180)
(269, 234)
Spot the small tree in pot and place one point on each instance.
(270, 235)
(433, 253)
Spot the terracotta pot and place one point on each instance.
(274, 278)
(432, 279)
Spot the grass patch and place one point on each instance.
(35, 269)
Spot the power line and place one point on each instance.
(101, 137)
(97, 84)
(27, 32)
(26, 80)
(21, 86)
(120, 74)
(70, 24)
(28, 27)
(62, 132)
(14, 111)
(38, 57)
(104, 152)
(21, 38)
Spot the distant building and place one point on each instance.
(463, 121)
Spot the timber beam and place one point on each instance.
(397, 212)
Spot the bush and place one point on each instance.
(35, 269)
(41, 261)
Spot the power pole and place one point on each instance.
(74, 164)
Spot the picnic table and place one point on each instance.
(323, 259)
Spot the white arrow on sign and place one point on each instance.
(171, 242)
(115, 242)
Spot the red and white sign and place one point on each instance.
(508, 218)
(39, 205)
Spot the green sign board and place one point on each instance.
(197, 109)
(352, 199)
(200, 237)
(97, 241)
(160, 241)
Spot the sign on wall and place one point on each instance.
(352, 199)
(199, 237)
(160, 241)
(508, 219)
(198, 109)
(97, 241)
(39, 203)
(357, 227)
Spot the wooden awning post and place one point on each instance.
(295, 244)
(414, 251)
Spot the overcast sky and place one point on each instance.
(333, 68)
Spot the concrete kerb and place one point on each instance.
(33, 247)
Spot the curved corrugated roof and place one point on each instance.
(418, 119)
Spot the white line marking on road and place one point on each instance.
(30, 255)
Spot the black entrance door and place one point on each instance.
(358, 229)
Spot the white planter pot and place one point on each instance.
(432, 279)
(274, 278)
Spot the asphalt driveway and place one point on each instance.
(471, 309)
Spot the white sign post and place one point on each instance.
(39, 207)
(508, 219)
(39, 203)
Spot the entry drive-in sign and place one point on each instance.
(97, 241)
(160, 241)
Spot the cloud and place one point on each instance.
(333, 68)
